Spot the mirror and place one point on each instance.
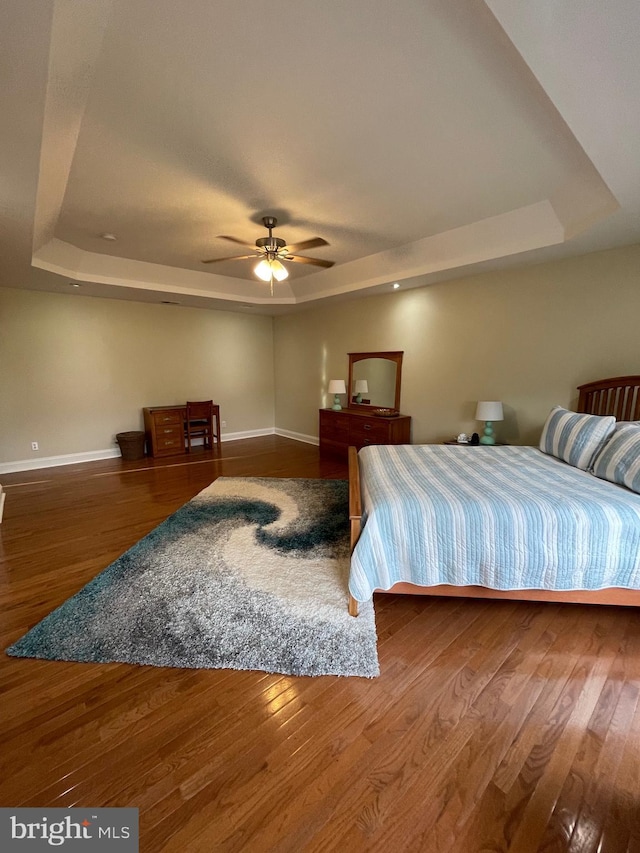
(374, 379)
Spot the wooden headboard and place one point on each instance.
(619, 396)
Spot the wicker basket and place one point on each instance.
(131, 445)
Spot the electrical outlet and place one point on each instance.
(34, 445)
(224, 423)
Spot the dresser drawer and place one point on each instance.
(170, 436)
(162, 419)
(334, 426)
(368, 431)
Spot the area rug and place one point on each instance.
(250, 574)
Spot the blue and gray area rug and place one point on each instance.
(250, 574)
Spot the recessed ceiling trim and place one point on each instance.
(531, 227)
(157, 287)
(69, 261)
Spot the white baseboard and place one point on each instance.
(298, 436)
(55, 461)
(251, 433)
(112, 452)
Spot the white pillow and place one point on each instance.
(575, 438)
(619, 459)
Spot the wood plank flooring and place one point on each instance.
(494, 726)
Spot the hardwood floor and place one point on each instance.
(494, 726)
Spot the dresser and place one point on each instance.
(355, 427)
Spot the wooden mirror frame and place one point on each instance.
(395, 357)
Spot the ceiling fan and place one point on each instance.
(271, 251)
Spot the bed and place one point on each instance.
(500, 522)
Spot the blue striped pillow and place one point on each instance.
(575, 438)
(619, 459)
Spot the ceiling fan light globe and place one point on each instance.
(280, 272)
(263, 270)
(266, 269)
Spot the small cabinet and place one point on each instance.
(347, 427)
(164, 429)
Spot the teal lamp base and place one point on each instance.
(358, 397)
(488, 437)
(336, 403)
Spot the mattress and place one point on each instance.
(499, 517)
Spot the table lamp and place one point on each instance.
(360, 389)
(489, 411)
(336, 387)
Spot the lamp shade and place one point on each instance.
(361, 386)
(489, 410)
(337, 386)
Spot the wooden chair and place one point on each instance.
(200, 423)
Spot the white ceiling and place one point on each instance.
(423, 139)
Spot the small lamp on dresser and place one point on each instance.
(336, 387)
(489, 411)
(360, 389)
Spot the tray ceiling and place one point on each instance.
(425, 141)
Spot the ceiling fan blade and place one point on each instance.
(300, 259)
(236, 240)
(233, 258)
(306, 244)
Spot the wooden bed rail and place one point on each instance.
(355, 512)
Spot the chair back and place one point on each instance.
(199, 410)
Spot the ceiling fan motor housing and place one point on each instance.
(271, 244)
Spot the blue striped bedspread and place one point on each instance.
(499, 517)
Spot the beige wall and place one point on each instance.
(75, 370)
(527, 337)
